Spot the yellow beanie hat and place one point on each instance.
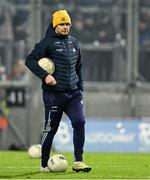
(60, 17)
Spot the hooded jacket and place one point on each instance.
(64, 51)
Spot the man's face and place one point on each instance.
(63, 29)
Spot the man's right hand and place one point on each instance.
(50, 80)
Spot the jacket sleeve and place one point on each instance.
(79, 70)
(32, 61)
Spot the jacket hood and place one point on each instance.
(51, 32)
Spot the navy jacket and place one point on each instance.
(65, 53)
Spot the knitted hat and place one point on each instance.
(60, 17)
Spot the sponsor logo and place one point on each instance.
(144, 135)
(73, 50)
(108, 138)
(63, 19)
(54, 109)
(59, 50)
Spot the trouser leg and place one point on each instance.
(75, 112)
(53, 114)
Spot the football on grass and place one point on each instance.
(34, 151)
(57, 163)
(47, 64)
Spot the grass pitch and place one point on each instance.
(17, 165)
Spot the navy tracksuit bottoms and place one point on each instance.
(55, 104)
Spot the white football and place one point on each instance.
(57, 163)
(47, 64)
(34, 151)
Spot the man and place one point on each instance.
(62, 91)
